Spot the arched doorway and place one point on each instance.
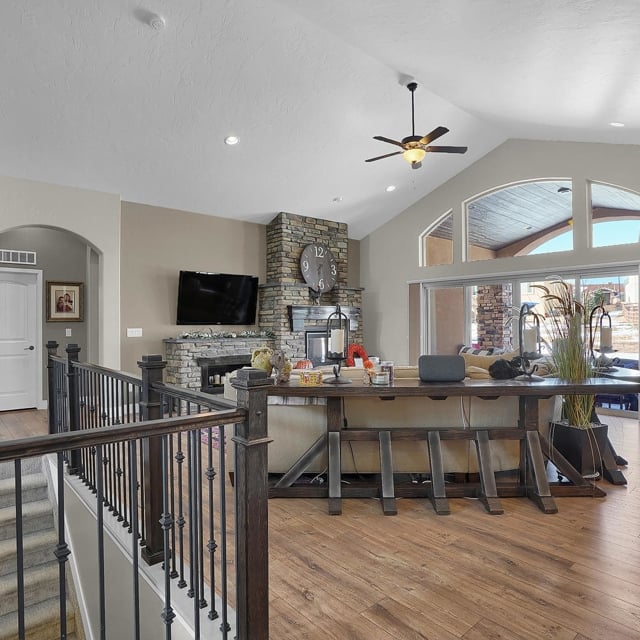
(60, 256)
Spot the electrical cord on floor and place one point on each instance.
(319, 478)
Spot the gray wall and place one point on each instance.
(156, 244)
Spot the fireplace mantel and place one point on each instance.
(301, 315)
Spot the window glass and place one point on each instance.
(615, 215)
(516, 219)
(437, 243)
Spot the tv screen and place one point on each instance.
(216, 298)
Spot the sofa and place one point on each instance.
(294, 424)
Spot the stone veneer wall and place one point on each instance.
(274, 314)
(182, 356)
(494, 308)
(287, 235)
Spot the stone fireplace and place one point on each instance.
(285, 306)
(285, 303)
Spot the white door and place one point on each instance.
(20, 371)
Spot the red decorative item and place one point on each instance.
(355, 351)
(304, 364)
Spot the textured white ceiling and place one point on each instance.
(92, 96)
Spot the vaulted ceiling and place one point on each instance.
(94, 96)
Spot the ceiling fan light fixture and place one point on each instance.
(414, 155)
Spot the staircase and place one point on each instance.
(41, 576)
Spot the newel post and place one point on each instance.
(74, 404)
(151, 409)
(252, 536)
(52, 393)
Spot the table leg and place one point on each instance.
(301, 464)
(487, 476)
(540, 493)
(438, 493)
(335, 492)
(610, 465)
(386, 474)
(581, 486)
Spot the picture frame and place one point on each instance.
(65, 301)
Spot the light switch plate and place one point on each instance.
(135, 332)
(67, 332)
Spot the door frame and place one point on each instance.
(41, 403)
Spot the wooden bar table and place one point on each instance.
(534, 447)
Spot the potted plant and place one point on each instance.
(579, 436)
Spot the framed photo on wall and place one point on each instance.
(65, 301)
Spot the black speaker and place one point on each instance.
(441, 368)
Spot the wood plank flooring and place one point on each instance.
(522, 575)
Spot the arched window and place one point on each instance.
(436, 242)
(513, 220)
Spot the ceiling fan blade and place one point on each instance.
(388, 155)
(416, 165)
(390, 141)
(447, 149)
(434, 135)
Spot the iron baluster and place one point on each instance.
(166, 523)
(133, 471)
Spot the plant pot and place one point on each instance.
(581, 446)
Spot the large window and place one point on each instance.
(485, 315)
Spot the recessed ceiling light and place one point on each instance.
(616, 124)
(231, 140)
(157, 22)
(338, 199)
(391, 187)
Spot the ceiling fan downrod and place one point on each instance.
(412, 86)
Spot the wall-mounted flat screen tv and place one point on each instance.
(216, 298)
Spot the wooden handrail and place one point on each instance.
(42, 445)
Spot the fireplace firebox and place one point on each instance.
(213, 370)
(316, 347)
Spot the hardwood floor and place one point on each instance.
(522, 575)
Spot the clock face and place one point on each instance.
(318, 267)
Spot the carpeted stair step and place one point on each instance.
(42, 622)
(38, 548)
(40, 583)
(34, 487)
(27, 466)
(36, 516)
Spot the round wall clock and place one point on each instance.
(318, 267)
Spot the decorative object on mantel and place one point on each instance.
(261, 359)
(337, 344)
(356, 351)
(208, 335)
(305, 363)
(282, 366)
(318, 268)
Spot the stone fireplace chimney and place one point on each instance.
(286, 306)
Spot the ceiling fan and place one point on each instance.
(414, 148)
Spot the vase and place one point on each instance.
(582, 447)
